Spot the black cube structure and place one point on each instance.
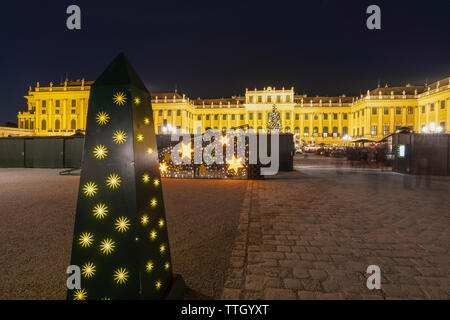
(120, 238)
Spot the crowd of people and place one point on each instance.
(368, 155)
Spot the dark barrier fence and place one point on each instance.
(66, 152)
(423, 154)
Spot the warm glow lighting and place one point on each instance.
(147, 121)
(145, 178)
(100, 211)
(122, 224)
(107, 246)
(167, 266)
(163, 167)
(86, 239)
(202, 169)
(149, 266)
(144, 220)
(162, 248)
(186, 151)
(153, 203)
(90, 189)
(161, 223)
(100, 152)
(153, 234)
(119, 136)
(113, 181)
(235, 164)
(88, 270)
(121, 275)
(140, 137)
(80, 294)
(102, 118)
(119, 98)
(156, 182)
(149, 150)
(224, 140)
(137, 100)
(158, 285)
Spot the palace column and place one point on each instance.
(292, 121)
(418, 122)
(427, 115)
(38, 117)
(447, 124)
(380, 121)
(340, 124)
(404, 119)
(392, 120)
(302, 127)
(330, 124)
(436, 110)
(51, 117)
(320, 124)
(82, 126)
(255, 121)
(311, 132)
(264, 126)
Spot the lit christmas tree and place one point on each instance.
(274, 121)
(120, 238)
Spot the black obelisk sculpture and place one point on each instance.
(120, 238)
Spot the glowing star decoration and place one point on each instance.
(107, 246)
(156, 182)
(162, 248)
(90, 189)
(167, 266)
(202, 169)
(119, 136)
(153, 203)
(153, 234)
(149, 266)
(137, 101)
(100, 152)
(113, 181)
(120, 98)
(102, 118)
(100, 211)
(140, 138)
(145, 178)
(161, 223)
(224, 140)
(144, 220)
(121, 275)
(88, 270)
(86, 239)
(163, 167)
(80, 294)
(149, 151)
(158, 285)
(186, 151)
(122, 224)
(147, 121)
(235, 164)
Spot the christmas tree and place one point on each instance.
(274, 120)
(120, 237)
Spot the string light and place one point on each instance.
(144, 220)
(153, 235)
(149, 266)
(163, 167)
(145, 178)
(162, 248)
(153, 203)
(140, 137)
(156, 182)
(161, 223)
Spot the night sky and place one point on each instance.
(219, 48)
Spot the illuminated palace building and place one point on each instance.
(62, 109)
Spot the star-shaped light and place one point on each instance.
(149, 266)
(153, 203)
(153, 234)
(224, 140)
(144, 220)
(145, 178)
(88, 270)
(202, 169)
(122, 224)
(102, 118)
(80, 294)
(119, 136)
(140, 137)
(100, 211)
(156, 182)
(146, 121)
(235, 164)
(186, 151)
(120, 98)
(113, 181)
(107, 246)
(149, 150)
(158, 285)
(163, 167)
(100, 152)
(90, 189)
(162, 248)
(137, 100)
(167, 266)
(121, 275)
(161, 223)
(86, 239)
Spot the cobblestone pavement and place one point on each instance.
(313, 233)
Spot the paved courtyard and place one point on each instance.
(312, 234)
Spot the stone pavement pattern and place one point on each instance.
(312, 235)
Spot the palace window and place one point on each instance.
(345, 116)
(44, 124)
(398, 110)
(335, 116)
(165, 122)
(57, 124)
(178, 113)
(278, 99)
(442, 125)
(325, 116)
(362, 112)
(44, 103)
(410, 110)
(207, 117)
(344, 131)
(287, 130)
(57, 103)
(297, 116)
(288, 115)
(306, 131)
(160, 113)
(335, 131)
(169, 113)
(325, 131)
(288, 99)
(233, 117)
(432, 107)
(224, 117)
(199, 118)
(250, 115)
(297, 130)
(259, 115)
(216, 117)
(32, 125)
(374, 130)
(374, 111)
(269, 98)
(316, 116)
(385, 130)
(242, 117)
(73, 124)
(56, 111)
(316, 130)
(443, 104)
(74, 103)
(423, 109)
(259, 99)
(73, 111)
(44, 111)
(250, 99)
(306, 117)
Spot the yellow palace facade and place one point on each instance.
(62, 109)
